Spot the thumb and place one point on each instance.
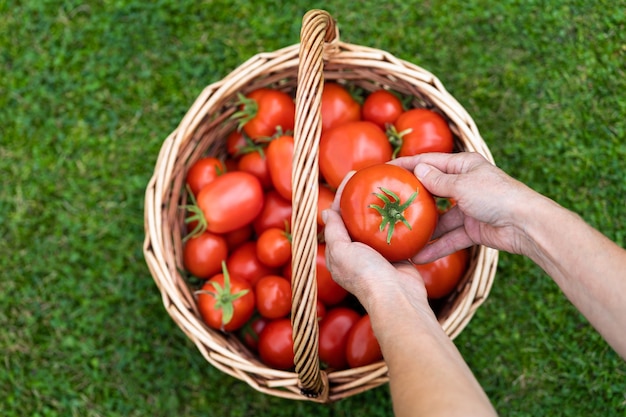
(435, 181)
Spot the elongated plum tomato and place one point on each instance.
(352, 146)
(387, 208)
(230, 201)
(362, 347)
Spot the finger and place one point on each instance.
(335, 204)
(450, 220)
(334, 230)
(447, 244)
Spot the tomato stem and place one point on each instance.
(391, 210)
(196, 216)
(396, 138)
(248, 111)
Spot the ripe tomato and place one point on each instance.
(273, 296)
(325, 199)
(264, 110)
(202, 172)
(381, 107)
(362, 347)
(236, 141)
(276, 344)
(351, 146)
(238, 236)
(441, 276)
(203, 254)
(244, 263)
(328, 291)
(279, 163)
(338, 106)
(333, 336)
(249, 333)
(230, 201)
(274, 247)
(276, 212)
(387, 208)
(421, 131)
(226, 303)
(255, 163)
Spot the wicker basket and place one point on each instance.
(301, 68)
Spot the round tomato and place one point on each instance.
(279, 163)
(230, 201)
(421, 131)
(338, 106)
(238, 237)
(442, 275)
(387, 208)
(328, 291)
(249, 333)
(274, 247)
(351, 146)
(236, 141)
(325, 199)
(255, 163)
(273, 296)
(362, 347)
(202, 172)
(276, 344)
(244, 263)
(382, 107)
(264, 110)
(203, 254)
(333, 336)
(276, 212)
(226, 303)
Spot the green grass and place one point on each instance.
(88, 92)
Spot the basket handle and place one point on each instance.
(318, 27)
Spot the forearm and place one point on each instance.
(588, 267)
(428, 376)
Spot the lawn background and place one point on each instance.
(88, 92)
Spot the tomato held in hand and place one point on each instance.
(351, 146)
(338, 106)
(276, 344)
(333, 336)
(442, 276)
(230, 201)
(203, 254)
(264, 110)
(421, 131)
(387, 208)
(202, 172)
(382, 107)
(226, 303)
(362, 347)
(273, 296)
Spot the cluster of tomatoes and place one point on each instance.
(239, 216)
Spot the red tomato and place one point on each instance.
(387, 208)
(202, 172)
(328, 291)
(276, 212)
(338, 106)
(381, 107)
(273, 296)
(249, 333)
(235, 143)
(276, 344)
(351, 146)
(362, 348)
(442, 276)
(243, 263)
(255, 163)
(230, 201)
(238, 237)
(279, 163)
(325, 199)
(274, 247)
(226, 303)
(203, 255)
(333, 336)
(264, 110)
(421, 131)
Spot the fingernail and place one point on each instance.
(421, 170)
(324, 215)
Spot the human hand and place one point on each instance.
(490, 205)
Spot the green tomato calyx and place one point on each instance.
(392, 210)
